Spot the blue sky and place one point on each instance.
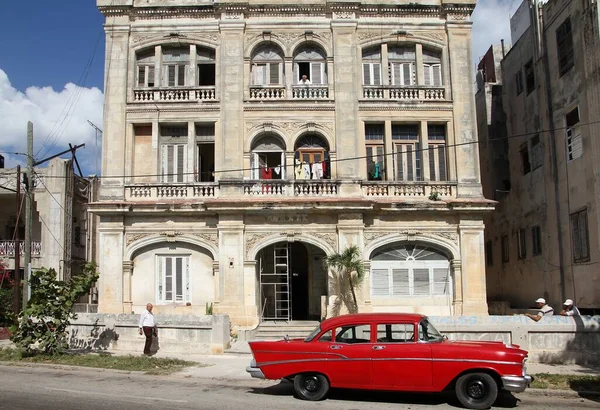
(44, 74)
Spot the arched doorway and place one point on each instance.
(291, 280)
(416, 274)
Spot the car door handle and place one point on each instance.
(335, 347)
(378, 347)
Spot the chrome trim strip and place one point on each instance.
(255, 372)
(399, 359)
(516, 384)
(478, 361)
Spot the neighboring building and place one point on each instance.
(60, 236)
(543, 237)
(227, 180)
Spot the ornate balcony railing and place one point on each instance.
(157, 192)
(310, 92)
(7, 248)
(414, 93)
(267, 92)
(409, 189)
(169, 94)
(274, 188)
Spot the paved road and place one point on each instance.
(49, 388)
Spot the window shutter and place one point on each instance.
(418, 160)
(407, 73)
(401, 285)
(366, 74)
(159, 279)
(440, 281)
(381, 282)
(432, 155)
(171, 76)
(178, 279)
(188, 295)
(181, 75)
(577, 149)
(427, 74)
(410, 174)
(260, 74)
(150, 79)
(315, 73)
(399, 163)
(396, 73)
(376, 74)
(421, 282)
(170, 163)
(168, 279)
(583, 232)
(437, 75)
(180, 162)
(442, 162)
(141, 76)
(274, 73)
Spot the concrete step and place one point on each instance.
(276, 330)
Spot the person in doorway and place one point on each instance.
(305, 80)
(544, 310)
(147, 327)
(569, 309)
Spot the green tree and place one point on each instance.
(350, 272)
(42, 325)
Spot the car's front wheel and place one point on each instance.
(476, 390)
(311, 386)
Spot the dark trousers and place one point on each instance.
(148, 331)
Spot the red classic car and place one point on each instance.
(389, 351)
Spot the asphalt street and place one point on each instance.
(41, 388)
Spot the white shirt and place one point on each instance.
(573, 312)
(147, 319)
(546, 311)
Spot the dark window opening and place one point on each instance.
(489, 253)
(519, 82)
(529, 77)
(206, 162)
(536, 239)
(564, 45)
(526, 165)
(304, 69)
(206, 74)
(522, 244)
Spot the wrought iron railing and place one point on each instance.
(7, 248)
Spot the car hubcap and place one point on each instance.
(476, 389)
(311, 384)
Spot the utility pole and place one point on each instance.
(28, 213)
(17, 285)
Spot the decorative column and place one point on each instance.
(366, 287)
(473, 263)
(424, 137)
(289, 77)
(419, 63)
(457, 302)
(127, 297)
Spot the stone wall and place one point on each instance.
(554, 339)
(176, 333)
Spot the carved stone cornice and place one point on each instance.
(132, 237)
(458, 12)
(211, 37)
(209, 237)
(449, 236)
(328, 237)
(254, 237)
(371, 236)
(288, 126)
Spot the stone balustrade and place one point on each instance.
(286, 188)
(409, 189)
(412, 93)
(267, 93)
(187, 94)
(310, 92)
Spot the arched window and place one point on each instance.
(311, 158)
(432, 67)
(145, 62)
(402, 65)
(267, 66)
(310, 61)
(175, 64)
(371, 58)
(410, 269)
(268, 157)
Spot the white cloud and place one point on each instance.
(491, 23)
(59, 118)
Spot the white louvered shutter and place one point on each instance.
(401, 285)
(440, 281)
(274, 70)
(159, 279)
(421, 282)
(380, 282)
(316, 73)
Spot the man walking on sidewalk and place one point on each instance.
(147, 327)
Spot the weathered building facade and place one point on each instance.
(543, 237)
(245, 142)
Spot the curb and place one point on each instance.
(561, 393)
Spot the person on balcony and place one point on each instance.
(304, 80)
(544, 310)
(569, 309)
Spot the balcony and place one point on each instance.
(416, 93)
(422, 190)
(309, 188)
(158, 192)
(310, 92)
(7, 248)
(267, 92)
(164, 94)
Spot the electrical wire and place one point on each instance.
(342, 159)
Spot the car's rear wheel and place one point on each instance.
(476, 390)
(311, 386)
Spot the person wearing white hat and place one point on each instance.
(544, 310)
(569, 309)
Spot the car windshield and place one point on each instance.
(428, 333)
(313, 334)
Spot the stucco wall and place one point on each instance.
(176, 334)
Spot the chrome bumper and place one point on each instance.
(255, 371)
(516, 384)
